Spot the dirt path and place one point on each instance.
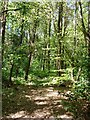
(29, 102)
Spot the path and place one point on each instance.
(32, 102)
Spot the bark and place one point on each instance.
(17, 71)
(28, 66)
(86, 34)
(44, 57)
(10, 76)
(3, 15)
(7, 10)
(49, 46)
(59, 36)
(75, 27)
(45, 46)
(89, 41)
(75, 38)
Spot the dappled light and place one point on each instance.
(17, 115)
(42, 102)
(52, 94)
(66, 117)
(45, 59)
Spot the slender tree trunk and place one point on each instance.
(28, 66)
(10, 76)
(5, 4)
(86, 33)
(62, 61)
(45, 46)
(75, 38)
(83, 25)
(89, 40)
(17, 71)
(49, 46)
(21, 36)
(43, 63)
(44, 59)
(31, 49)
(75, 25)
(31, 45)
(59, 36)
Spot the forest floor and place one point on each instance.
(33, 102)
(42, 103)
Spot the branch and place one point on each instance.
(10, 10)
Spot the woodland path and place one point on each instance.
(35, 102)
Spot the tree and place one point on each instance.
(31, 44)
(89, 40)
(4, 14)
(86, 33)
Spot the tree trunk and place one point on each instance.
(59, 35)
(49, 46)
(21, 36)
(10, 76)
(5, 4)
(28, 66)
(31, 48)
(83, 25)
(45, 46)
(75, 25)
(89, 40)
(86, 34)
(44, 59)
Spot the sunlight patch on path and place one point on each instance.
(17, 115)
(41, 114)
(41, 98)
(28, 96)
(65, 117)
(41, 103)
(52, 94)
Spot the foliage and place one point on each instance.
(81, 90)
(45, 42)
